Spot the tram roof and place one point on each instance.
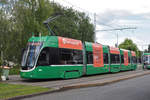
(146, 53)
(54, 41)
(42, 38)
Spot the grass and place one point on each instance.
(13, 90)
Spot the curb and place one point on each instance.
(32, 95)
(101, 82)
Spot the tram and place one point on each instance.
(146, 61)
(52, 57)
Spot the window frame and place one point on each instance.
(57, 55)
(122, 59)
(106, 58)
(116, 61)
(89, 57)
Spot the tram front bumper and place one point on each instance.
(27, 75)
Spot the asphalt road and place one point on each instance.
(133, 89)
(51, 83)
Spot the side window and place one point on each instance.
(145, 58)
(115, 59)
(89, 56)
(77, 57)
(122, 59)
(59, 56)
(43, 57)
(129, 59)
(69, 56)
(134, 60)
(54, 56)
(105, 57)
(49, 56)
(65, 56)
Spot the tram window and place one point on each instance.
(65, 56)
(48, 56)
(129, 59)
(145, 58)
(54, 56)
(134, 60)
(69, 56)
(44, 57)
(60, 56)
(115, 59)
(122, 59)
(105, 57)
(77, 57)
(89, 56)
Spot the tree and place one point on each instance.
(129, 45)
(5, 30)
(21, 18)
(18, 20)
(72, 24)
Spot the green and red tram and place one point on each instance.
(146, 61)
(51, 57)
(128, 60)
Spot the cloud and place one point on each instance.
(117, 14)
(112, 19)
(146, 15)
(134, 6)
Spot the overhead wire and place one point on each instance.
(114, 26)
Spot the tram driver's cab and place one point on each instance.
(146, 61)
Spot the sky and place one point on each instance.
(112, 14)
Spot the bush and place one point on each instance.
(0, 68)
(14, 71)
(0, 71)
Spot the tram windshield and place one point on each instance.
(146, 59)
(30, 55)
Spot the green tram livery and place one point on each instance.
(50, 57)
(146, 61)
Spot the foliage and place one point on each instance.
(0, 73)
(72, 24)
(12, 90)
(14, 71)
(20, 18)
(129, 45)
